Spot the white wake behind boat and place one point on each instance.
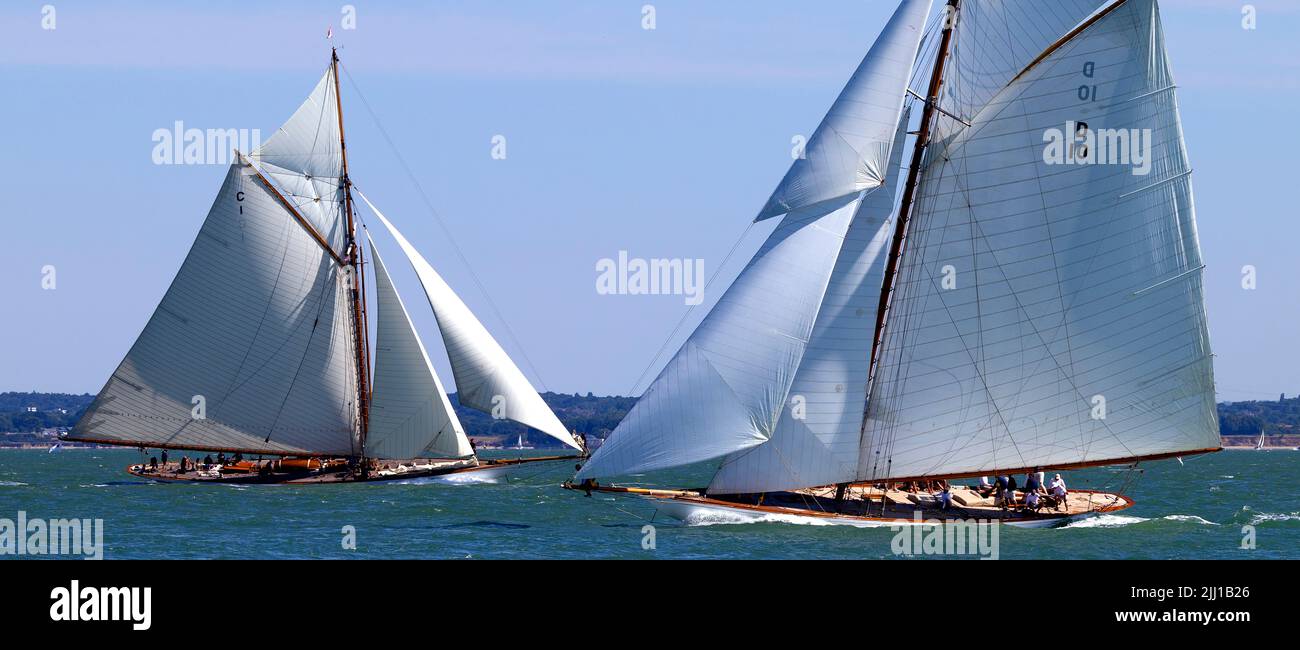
(260, 347)
(1020, 308)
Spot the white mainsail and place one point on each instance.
(1051, 314)
(727, 389)
(410, 415)
(849, 152)
(252, 347)
(816, 441)
(486, 378)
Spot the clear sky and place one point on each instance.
(663, 143)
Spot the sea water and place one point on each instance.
(1209, 507)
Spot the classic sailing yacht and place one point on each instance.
(260, 347)
(1015, 311)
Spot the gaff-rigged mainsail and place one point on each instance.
(486, 378)
(252, 347)
(1071, 328)
(410, 415)
(728, 388)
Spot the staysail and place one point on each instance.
(486, 378)
(410, 415)
(728, 388)
(849, 152)
(1049, 308)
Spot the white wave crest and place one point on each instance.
(1105, 521)
(1191, 518)
(1262, 517)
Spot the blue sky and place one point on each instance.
(663, 143)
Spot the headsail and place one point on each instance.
(816, 439)
(410, 415)
(1049, 312)
(728, 388)
(486, 378)
(849, 151)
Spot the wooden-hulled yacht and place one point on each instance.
(261, 346)
(1033, 299)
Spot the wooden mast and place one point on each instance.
(357, 290)
(909, 195)
(913, 176)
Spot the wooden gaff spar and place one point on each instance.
(260, 347)
(1033, 302)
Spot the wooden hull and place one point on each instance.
(486, 471)
(695, 508)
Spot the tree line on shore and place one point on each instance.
(588, 414)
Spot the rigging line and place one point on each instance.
(690, 309)
(981, 372)
(1055, 362)
(437, 217)
(1060, 285)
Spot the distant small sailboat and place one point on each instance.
(55, 447)
(1259, 444)
(1014, 313)
(260, 347)
(520, 444)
